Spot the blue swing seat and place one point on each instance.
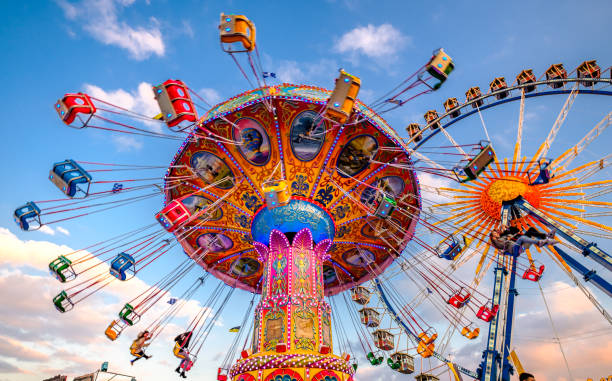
(26, 214)
(122, 266)
(66, 175)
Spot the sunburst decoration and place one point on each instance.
(476, 206)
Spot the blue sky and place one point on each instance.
(114, 46)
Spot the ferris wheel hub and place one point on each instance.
(506, 189)
(502, 188)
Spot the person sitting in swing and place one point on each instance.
(511, 240)
(138, 345)
(182, 344)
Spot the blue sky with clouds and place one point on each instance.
(118, 48)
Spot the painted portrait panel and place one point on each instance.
(196, 204)
(392, 185)
(215, 242)
(255, 145)
(307, 135)
(210, 168)
(356, 155)
(358, 257)
(245, 267)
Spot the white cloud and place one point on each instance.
(36, 254)
(319, 73)
(430, 185)
(70, 11)
(100, 19)
(62, 230)
(141, 101)
(127, 143)
(289, 71)
(38, 342)
(373, 41)
(211, 96)
(187, 29)
(46, 229)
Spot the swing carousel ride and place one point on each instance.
(296, 193)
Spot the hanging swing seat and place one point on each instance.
(222, 375)
(70, 105)
(122, 267)
(401, 362)
(425, 350)
(479, 159)
(470, 333)
(114, 329)
(373, 359)
(532, 274)
(426, 339)
(128, 315)
(340, 103)
(236, 28)
(276, 193)
(175, 104)
(440, 66)
(26, 214)
(189, 364)
(61, 269)
(62, 302)
(67, 175)
(386, 206)
(487, 314)
(458, 300)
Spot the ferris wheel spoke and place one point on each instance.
(596, 234)
(490, 223)
(564, 160)
(480, 271)
(564, 266)
(454, 143)
(585, 167)
(603, 163)
(557, 205)
(519, 170)
(579, 219)
(549, 213)
(425, 159)
(519, 131)
(583, 186)
(543, 150)
(599, 193)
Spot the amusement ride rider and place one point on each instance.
(511, 240)
(138, 345)
(182, 341)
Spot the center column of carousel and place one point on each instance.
(292, 327)
(292, 314)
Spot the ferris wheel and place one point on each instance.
(557, 189)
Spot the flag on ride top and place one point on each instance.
(267, 74)
(235, 329)
(172, 301)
